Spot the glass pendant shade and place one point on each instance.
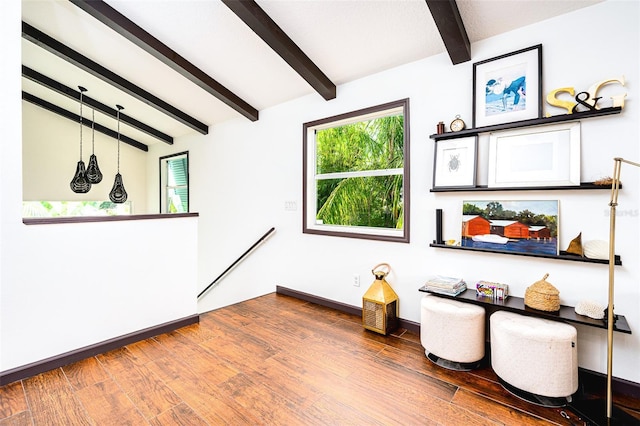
(118, 193)
(80, 184)
(93, 171)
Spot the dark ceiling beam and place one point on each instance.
(447, 17)
(62, 51)
(58, 87)
(258, 20)
(76, 118)
(132, 32)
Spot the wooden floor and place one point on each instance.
(273, 360)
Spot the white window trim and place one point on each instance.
(363, 173)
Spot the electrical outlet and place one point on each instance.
(290, 206)
(356, 280)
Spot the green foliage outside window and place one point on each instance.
(373, 201)
(73, 208)
(177, 185)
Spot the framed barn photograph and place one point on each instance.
(455, 162)
(508, 88)
(511, 225)
(540, 156)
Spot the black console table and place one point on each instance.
(516, 304)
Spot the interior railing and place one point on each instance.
(238, 260)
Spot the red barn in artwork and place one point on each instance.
(509, 229)
(539, 232)
(474, 225)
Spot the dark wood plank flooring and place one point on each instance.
(273, 360)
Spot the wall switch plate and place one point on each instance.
(290, 206)
(356, 280)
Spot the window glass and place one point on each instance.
(74, 208)
(356, 174)
(174, 183)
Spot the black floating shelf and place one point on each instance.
(516, 304)
(583, 185)
(562, 256)
(527, 123)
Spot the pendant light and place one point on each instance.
(93, 171)
(80, 184)
(118, 194)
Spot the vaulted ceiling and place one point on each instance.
(180, 66)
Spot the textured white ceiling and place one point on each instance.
(347, 39)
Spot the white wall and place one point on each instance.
(74, 285)
(10, 148)
(231, 175)
(50, 152)
(243, 172)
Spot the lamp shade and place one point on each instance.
(94, 175)
(80, 184)
(118, 194)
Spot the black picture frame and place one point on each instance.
(508, 87)
(455, 163)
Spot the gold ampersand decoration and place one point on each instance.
(587, 99)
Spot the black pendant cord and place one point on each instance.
(93, 132)
(80, 184)
(81, 125)
(93, 170)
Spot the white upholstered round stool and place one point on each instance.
(452, 332)
(536, 359)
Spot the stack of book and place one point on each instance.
(446, 285)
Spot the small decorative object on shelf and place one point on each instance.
(604, 181)
(542, 295)
(575, 246)
(439, 226)
(596, 249)
(590, 309)
(440, 128)
(495, 291)
(457, 124)
(588, 100)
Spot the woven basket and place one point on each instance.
(543, 296)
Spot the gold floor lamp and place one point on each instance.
(592, 410)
